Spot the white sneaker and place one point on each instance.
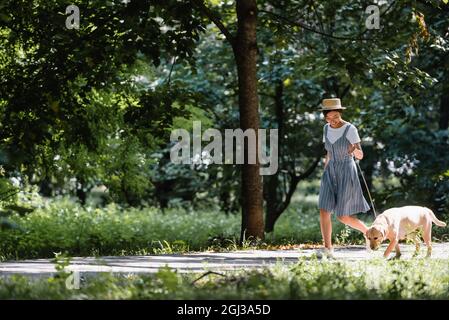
(325, 253)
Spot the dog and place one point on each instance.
(400, 223)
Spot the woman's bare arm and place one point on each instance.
(357, 149)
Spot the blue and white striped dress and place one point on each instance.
(340, 190)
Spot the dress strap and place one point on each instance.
(346, 130)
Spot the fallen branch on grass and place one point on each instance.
(208, 273)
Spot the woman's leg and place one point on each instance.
(326, 227)
(356, 224)
(353, 223)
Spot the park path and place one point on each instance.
(201, 261)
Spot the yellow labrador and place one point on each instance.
(399, 223)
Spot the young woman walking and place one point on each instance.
(340, 189)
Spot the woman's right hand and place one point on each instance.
(326, 160)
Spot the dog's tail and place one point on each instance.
(435, 219)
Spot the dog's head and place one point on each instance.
(376, 235)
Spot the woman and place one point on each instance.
(340, 190)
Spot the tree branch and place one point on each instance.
(171, 70)
(309, 28)
(208, 273)
(310, 169)
(215, 19)
(345, 91)
(294, 180)
(263, 94)
(320, 21)
(444, 7)
(381, 15)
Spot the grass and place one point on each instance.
(307, 279)
(63, 226)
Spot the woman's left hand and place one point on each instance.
(357, 152)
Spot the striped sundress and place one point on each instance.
(340, 190)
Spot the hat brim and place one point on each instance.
(332, 109)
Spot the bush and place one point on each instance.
(65, 226)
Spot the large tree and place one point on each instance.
(244, 45)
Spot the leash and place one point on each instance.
(366, 185)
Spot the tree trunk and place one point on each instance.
(275, 211)
(80, 193)
(272, 200)
(245, 52)
(224, 190)
(444, 109)
(244, 45)
(271, 195)
(277, 197)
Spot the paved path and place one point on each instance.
(200, 262)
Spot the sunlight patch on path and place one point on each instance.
(201, 261)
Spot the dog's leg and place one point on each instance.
(417, 242)
(390, 247)
(367, 244)
(398, 251)
(427, 236)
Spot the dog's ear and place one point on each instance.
(384, 232)
(366, 232)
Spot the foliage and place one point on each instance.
(67, 96)
(64, 226)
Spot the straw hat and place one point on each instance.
(331, 104)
